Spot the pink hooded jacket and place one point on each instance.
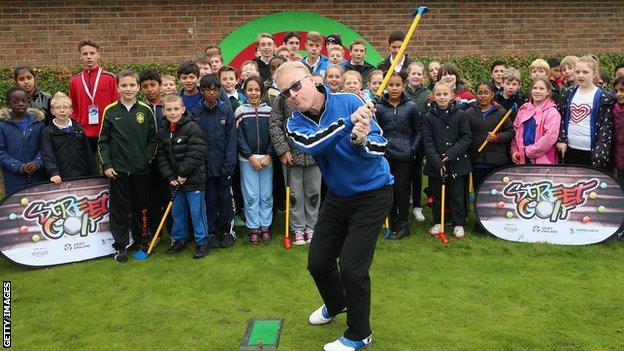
(547, 123)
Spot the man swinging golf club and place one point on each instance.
(358, 200)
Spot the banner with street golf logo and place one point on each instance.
(565, 205)
(47, 224)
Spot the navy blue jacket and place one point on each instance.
(217, 124)
(401, 126)
(19, 147)
(252, 126)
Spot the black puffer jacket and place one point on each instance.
(66, 154)
(495, 152)
(181, 153)
(402, 126)
(446, 133)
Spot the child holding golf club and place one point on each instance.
(181, 161)
(586, 130)
(537, 127)
(447, 137)
(401, 122)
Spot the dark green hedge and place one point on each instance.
(473, 69)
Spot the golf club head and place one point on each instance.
(287, 244)
(141, 255)
(420, 11)
(387, 235)
(443, 238)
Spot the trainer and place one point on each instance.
(358, 200)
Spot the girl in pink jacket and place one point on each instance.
(537, 127)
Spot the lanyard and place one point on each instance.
(95, 86)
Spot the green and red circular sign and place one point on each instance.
(240, 45)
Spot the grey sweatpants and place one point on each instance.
(305, 196)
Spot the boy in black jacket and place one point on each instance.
(447, 137)
(216, 120)
(64, 147)
(181, 161)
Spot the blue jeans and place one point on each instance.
(257, 189)
(193, 203)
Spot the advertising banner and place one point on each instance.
(565, 205)
(47, 224)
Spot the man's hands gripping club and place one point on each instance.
(361, 120)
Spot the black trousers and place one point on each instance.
(159, 196)
(347, 230)
(455, 198)
(417, 179)
(129, 202)
(219, 204)
(402, 172)
(577, 157)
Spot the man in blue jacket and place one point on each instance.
(358, 200)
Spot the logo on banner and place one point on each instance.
(548, 200)
(69, 215)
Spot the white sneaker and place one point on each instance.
(320, 316)
(418, 214)
(458, 231)
(344, 344)
(435, 230)
(308, 233)
(299, 238)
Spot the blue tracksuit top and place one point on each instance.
(347, 169)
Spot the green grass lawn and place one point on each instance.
(481, 293)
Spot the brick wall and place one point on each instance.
(46, 32)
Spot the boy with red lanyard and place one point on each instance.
(91, 91)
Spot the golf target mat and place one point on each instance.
(262, 334)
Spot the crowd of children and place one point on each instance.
(221, 140)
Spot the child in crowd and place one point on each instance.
(292, 40)
(91, 91)
(432, 71)
(216, 120)
(283, 51)
(151, 86)
(568, 65)
(511, 93)
(357, 63)
(127, 146)
(64, 147)
(352, 82)
(266, 48)
(271, 90)
(618, 119)
(618, 71)
(336, 55)
(333, 77)
(555, 76)
(401, 122)
(229, 93)
(316, 62)
(375, 77)
(446, 138)
(540, 68)
(168, 85)
(25, 77)
(395, 40)
(586, 130)
(536, 127)
(254, 155)
(188, 74)
(203, 62)
(449, 74)
(20, 130)
(483, 117)
(497, 69)
(181, 162)
(216, 62)
(415, 90)
(249, 68)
